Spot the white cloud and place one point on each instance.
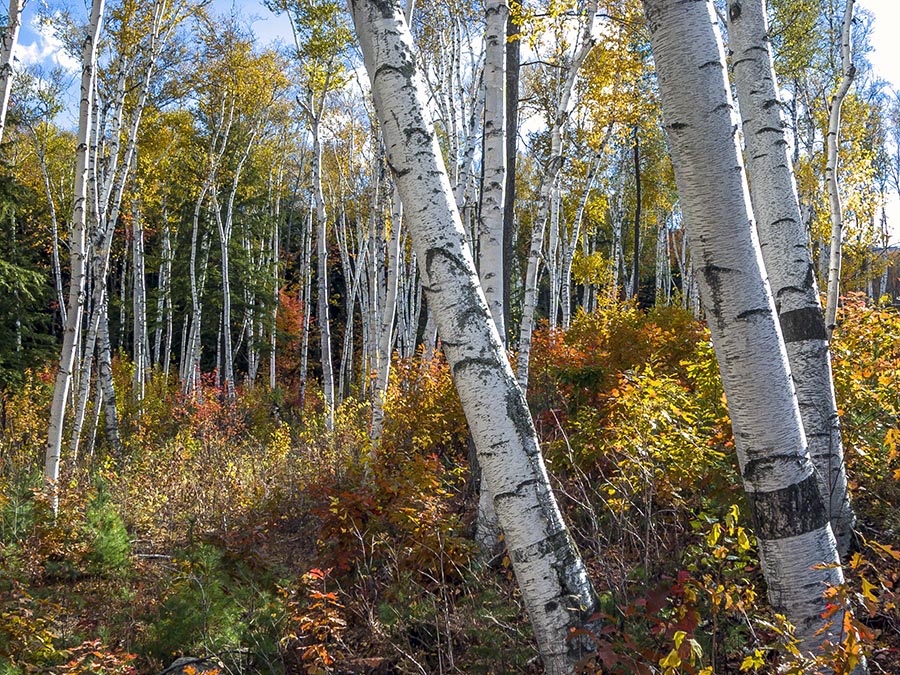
(47, 49)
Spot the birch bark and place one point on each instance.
(797, 548)
(553, 579)
(786, 251)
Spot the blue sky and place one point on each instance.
(38, 45)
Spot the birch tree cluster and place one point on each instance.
(521, 195)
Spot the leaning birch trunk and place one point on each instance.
(78, 253)
(554, 164)
(787, 256)
(10, 36)
(848, 71)
(797, 549)
(555, 587)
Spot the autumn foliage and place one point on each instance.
(225, 533)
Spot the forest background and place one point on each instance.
(263, 461)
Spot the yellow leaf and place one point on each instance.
(754, 661)
(679, 638)
(672, 660)
(867, 589)
(743, 540)
(713, 535)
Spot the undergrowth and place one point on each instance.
(242, 532)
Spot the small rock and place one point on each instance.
(191, 665)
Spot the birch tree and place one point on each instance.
(832, 140)
(77, 252)
(493, 199)
(554, 582)
(587, 38)
(320, 37)
(490, 221)
(135, 55)
(797, 548)
(786, 251)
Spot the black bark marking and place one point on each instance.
(406, 71)
(734, 12)
(763, 464)
(475, 310)
(769, 130)
(517, 411)
(385, 7)
(803, 324)
(713, 276)
(711, 64)
(474, 361)
(750, 313)
(678, 126)
(788, 512)
(514, 494)
(452, 259)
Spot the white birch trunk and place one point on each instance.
(105, 382)
(797, 549)
(490, 230)
(786, 252)
(225, 225)
(276, 288)
(322, 279)
(832, 142)
(490, 221)
(139, 298)
(307, 303)
(40, 151)
(386, 323)
(553, 579)
(10, 36)
(77, 250)
(553, 257)
(663, 288)
(356, 274)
